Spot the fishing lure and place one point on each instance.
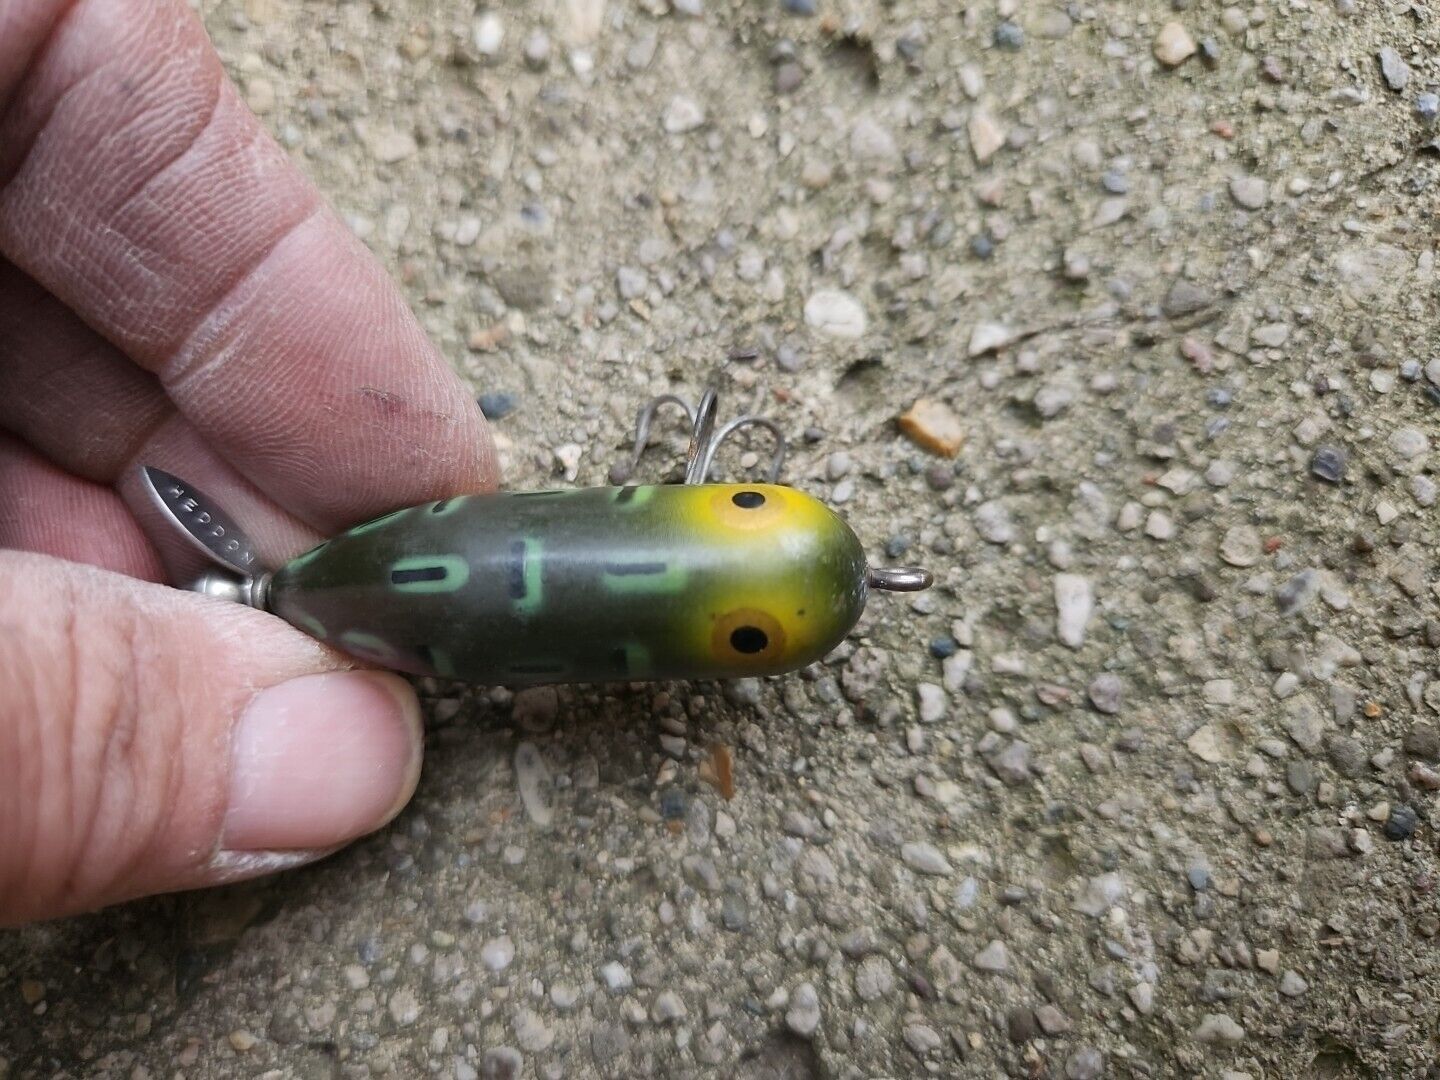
(625, 583)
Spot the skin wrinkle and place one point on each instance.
(188, 362)
(22, 819)
(151, 761)
(62, 13)
(70, 692)
(156, 770)
(149, 172)
(118, 728)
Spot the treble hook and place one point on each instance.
(705, 440)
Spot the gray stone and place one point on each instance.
(922, 1039)
(501, 1063)
(532, 1034)
(1250, 192)
(1105, 693)
(874, 978)
(682, 115)
(608, 1041)
(1394, 69)
(1186, 298)
(994, 958)
(1348, 755)
(1219, 1029)
(1086, 1063)
(1100, 894)
(803, 1015)
(1423, 741)
(924, 858)
(1012, 762)
(497, 953)
(835, 313)
(992, 522)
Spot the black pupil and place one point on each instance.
(748, 500)
(748, 639)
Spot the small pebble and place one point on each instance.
(1328, 463)
(497, 953)
(835, 313)
(616, 977)
(803, 1015)
(498, 405)
(1008, 35)
(1409, 442)
(986, 135)
(683, 114)
(1075, 603)
(1173, 44)
(1401, 823)
(993, 958)
(500, 1063)
(1105, 692)
(924, 859)
(1250, 192)
(1020, 1025)
(934, 426)
(1395, 71)
(1219, 1029)
(1086, 1063)
(931, 701)
(488, 34)
(874, 979)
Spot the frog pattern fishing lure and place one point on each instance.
(624, 583)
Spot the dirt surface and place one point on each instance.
(1144, 787)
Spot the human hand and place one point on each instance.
(174, 293)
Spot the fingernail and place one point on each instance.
(321, 760)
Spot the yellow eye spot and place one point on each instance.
(746, 635)
(748, 508)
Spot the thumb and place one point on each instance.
(153, 740)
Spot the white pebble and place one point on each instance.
(924, 858)
(497, 953)
(616, 977)
(536, 784)
(835, 313)
(682, 114)
(488, 33)
(932, 701)
(1075, 603)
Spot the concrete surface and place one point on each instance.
(1186, 317)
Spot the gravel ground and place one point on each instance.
(1144, 787)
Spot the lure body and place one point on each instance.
(591, 585)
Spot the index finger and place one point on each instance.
(136, 187)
